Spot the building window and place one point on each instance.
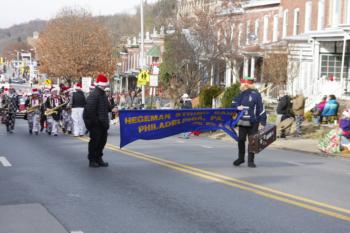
(248, 32)
(275, 28)
(296, 28)
(285, 23)
(256, 30)
(308, 18)
(266, 29)
(331, 66)
(320, 15)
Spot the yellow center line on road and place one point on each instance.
(319, 207)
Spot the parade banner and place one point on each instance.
(157, 124)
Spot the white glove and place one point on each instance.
(240, 108)
(261, 127)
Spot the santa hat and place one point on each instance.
(247, 80)
(55, 89)
(102, 80)
(66, 89)
(35, 91)
(78, 86)
(6, 90)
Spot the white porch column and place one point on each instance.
(212, 76)
(343, 84)
(252, 67)
(235, 73)
(316, 67)
(245, 67)
(228, 73)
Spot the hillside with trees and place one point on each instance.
(118, 26)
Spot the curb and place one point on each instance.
(318, 153)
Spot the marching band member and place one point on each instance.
(67, 121)
(254, 117)
(78, 102)
(34, 105)
(53, 117)
(10, 101)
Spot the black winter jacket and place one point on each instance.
(78, 100)
(284, 105)
(96, 110)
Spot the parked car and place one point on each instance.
(17, 80)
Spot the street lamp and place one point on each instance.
(142, 48)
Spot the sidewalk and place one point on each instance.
(304, 145)
(28, 218)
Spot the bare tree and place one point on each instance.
(276, 68)
(73, 45)
(203, 40)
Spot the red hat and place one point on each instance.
(102, 80)
(78, 86)
(35, 91)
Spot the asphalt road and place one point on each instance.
(174, 185)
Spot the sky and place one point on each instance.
(20, 11)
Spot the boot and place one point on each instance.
(30, 131)
(102, 163)
(93, 164)
(239, 161)
(251, 163)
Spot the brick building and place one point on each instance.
(129, 66)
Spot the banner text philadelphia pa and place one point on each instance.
(156, 124)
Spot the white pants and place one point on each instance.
(53, 125)
(78, 122)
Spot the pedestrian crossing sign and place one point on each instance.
(143, 78)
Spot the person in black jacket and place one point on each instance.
(78, 103)
(96, 120)
(284, 109)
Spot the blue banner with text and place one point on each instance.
(156, 124)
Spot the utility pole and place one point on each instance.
(142, 49)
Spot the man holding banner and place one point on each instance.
(254, 117)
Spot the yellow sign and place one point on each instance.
(48, 82)
(143, 78)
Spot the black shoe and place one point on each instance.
(41, 129)
(251, 164)
(102, 163)
(30, 131)
(69, 132)
(238, 162)
(36, 133)
(64, 130)
(93, 164)
(49, 133)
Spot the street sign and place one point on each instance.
(153, 82)
(143, 78)
(48, 82)
(86, 83)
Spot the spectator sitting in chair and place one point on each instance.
(330, 111)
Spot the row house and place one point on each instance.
(314, 33)
(318, 44)
(129, 66)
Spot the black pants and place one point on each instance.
(98, 140)
(243, 133)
